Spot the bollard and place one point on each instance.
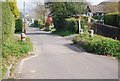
(81, 31)
(25, 31)
(91, 33)
(23, 36)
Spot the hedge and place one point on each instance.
(98, 44)
(18, 25)
(98, 17)
(112, 19)
(8, 20)
(72, 26)
(59, 23)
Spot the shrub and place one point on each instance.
(72, 26)
(13, 49)
(112, 19)
(98, 17)
(14, 8)
(36, 23)
(63, 33)
(59, 23)
(98, 44)
(18, 25)
(8, 20)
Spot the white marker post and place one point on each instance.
(80, 30)
(91, 33)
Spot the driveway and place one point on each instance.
(56, 58)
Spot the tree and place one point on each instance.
(39, 12)
(14, 8)
(62, 10)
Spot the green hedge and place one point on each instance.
(98, 17)
(112, 19)
(98, 44)
(18, 25)
(8, 20)
(36, 23)
(72, 26)
(59, 23)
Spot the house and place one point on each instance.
(95, 10)
(103, 8)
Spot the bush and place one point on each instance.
(13, 49)
(98, 44)
(8, 20)
(98, 17)
(59, 23)
(72, 26)
(18, 25)
(112, 19)
(64, 33)
(13, 8)
(36, 23)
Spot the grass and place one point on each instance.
(14, 49)
(65, 33)
(98, 44)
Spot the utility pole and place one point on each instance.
(23, 17)
(23, 36)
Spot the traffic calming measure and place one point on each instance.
(23, 36)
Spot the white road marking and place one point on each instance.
(22, 62)
(33, 71)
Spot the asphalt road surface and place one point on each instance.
(56, 58)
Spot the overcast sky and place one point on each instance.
(29, 5)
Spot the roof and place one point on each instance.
(96, 8)
(102, 7)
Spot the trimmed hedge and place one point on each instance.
(72, 26)
(98, 44)
(18, 25)
(97, 17)
(112, 19)
(59, 23)
(8, 20)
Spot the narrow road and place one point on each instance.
(55, 59)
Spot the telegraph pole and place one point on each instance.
(24, 17)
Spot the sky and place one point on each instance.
(29, 5)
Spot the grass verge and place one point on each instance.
(63, 33)
(13, 49)
(98, 44)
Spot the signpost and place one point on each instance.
(80, 30)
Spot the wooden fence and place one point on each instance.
(107, 30)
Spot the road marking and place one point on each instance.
(33, 71)
(22, 62)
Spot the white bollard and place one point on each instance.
(81, 31)
(91, 33)
(23, 36)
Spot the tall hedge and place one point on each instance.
(112, 19)
(8, 20)
(72, 26)
(13, 7)
(18, 25)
